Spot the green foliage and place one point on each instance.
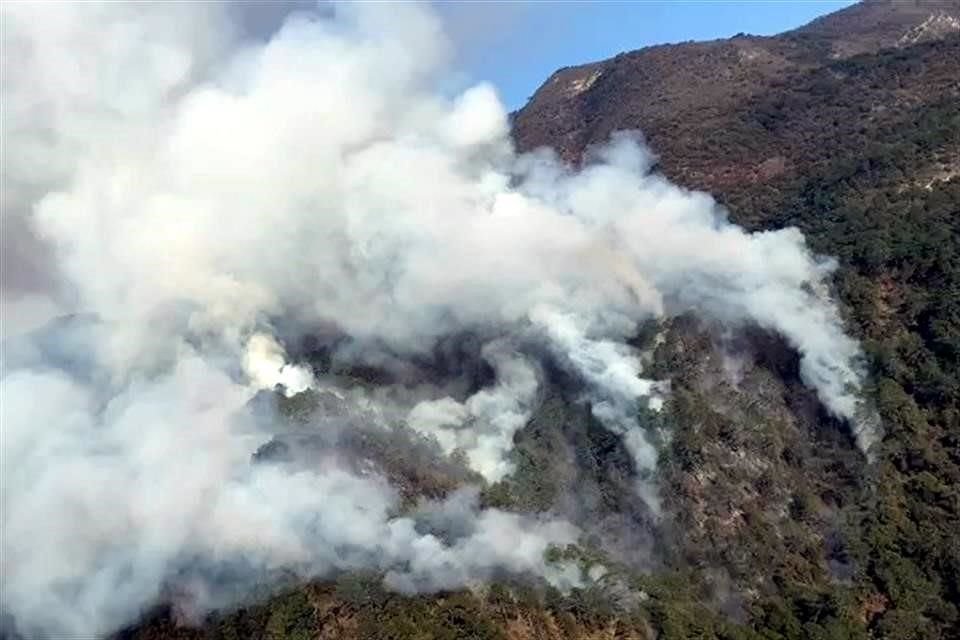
(299, 407)
(885, 204)
(450, 617)
(291, 618)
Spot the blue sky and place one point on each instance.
(516, 45)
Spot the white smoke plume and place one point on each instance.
(483, 427)
(197, 188)
(265, 363)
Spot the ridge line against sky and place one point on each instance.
(517, 45)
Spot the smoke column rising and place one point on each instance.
(197, 188)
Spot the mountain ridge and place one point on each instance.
(655, 88)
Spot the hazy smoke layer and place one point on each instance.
(484, 425)
(198, 189)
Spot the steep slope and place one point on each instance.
(713, 109)
(848, 128)
(773, 525)
(867, 27)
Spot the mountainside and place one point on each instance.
(848, 128)
(730, 113)
(770, 522)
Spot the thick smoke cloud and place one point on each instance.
(198, 189)
(122, 495)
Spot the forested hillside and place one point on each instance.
(773, 525)
(862, 153)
